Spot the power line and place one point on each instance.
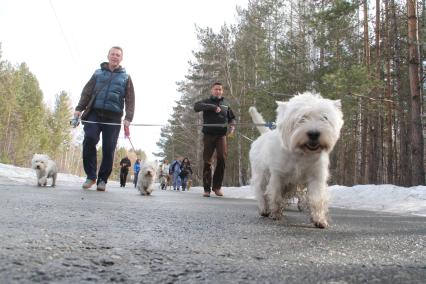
(63, 33)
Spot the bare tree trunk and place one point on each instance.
(389, 177)
(403, 169)
(417, 150)
(373, 151)
(365, 114)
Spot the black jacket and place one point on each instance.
(125, 164)
(185, 170)
(225, 116)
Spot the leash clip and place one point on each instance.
(270, 125)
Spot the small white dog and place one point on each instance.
(295, 155)
(146, 178)
(45, 168)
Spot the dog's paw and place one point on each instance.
(321, 224)
(42, 181)
(264, 212)
(276, 215)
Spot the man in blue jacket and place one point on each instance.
(217, 112)
(103, 100)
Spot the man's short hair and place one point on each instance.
(116, 47)
(217, 84)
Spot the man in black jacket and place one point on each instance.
(125, 164)
(215, 111)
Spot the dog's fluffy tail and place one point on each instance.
(258, 119)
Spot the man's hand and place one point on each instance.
(75, 121)
(218, 109)
(126, 124)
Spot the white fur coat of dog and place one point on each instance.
(146, 178)
(45, 168)
(295, 155)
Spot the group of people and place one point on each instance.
(178, 174)
(125, 164)
(110, 92)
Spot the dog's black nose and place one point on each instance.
(313, 134)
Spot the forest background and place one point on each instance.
(368, 54)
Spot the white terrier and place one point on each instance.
(45, 168)
(295, 155)
(146, 178)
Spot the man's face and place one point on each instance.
(217, 91)
(114, 57)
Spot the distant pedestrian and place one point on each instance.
(185, 173)
(174, 171)
(125, 164)
(136, 169)
(215, 111)
(163, 174)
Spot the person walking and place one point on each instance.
(174, 171)
(164, 176)
(101, 106)
(136, 169)
(185, 172)
(215, 111)
(125, 164)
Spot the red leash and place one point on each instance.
(127, 135)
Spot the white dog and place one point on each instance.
(295, 155)
(45, 168)
(146, 178)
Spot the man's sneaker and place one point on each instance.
(88, 183)
(206, 194)
(101, 186)
(218, 192)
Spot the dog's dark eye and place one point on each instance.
(325, 117)
(302, 119)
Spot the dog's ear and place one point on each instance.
(338, 104)
(280, 109)
(279, 103)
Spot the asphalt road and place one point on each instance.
(67, 235)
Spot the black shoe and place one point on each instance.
(101, 186)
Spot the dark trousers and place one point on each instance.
(92, 133)
(123, 176)
(212, 143)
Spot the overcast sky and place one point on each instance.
(63, 42)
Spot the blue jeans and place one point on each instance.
(135, 178)
(176, 180)
(92, 132)
(184, 182)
